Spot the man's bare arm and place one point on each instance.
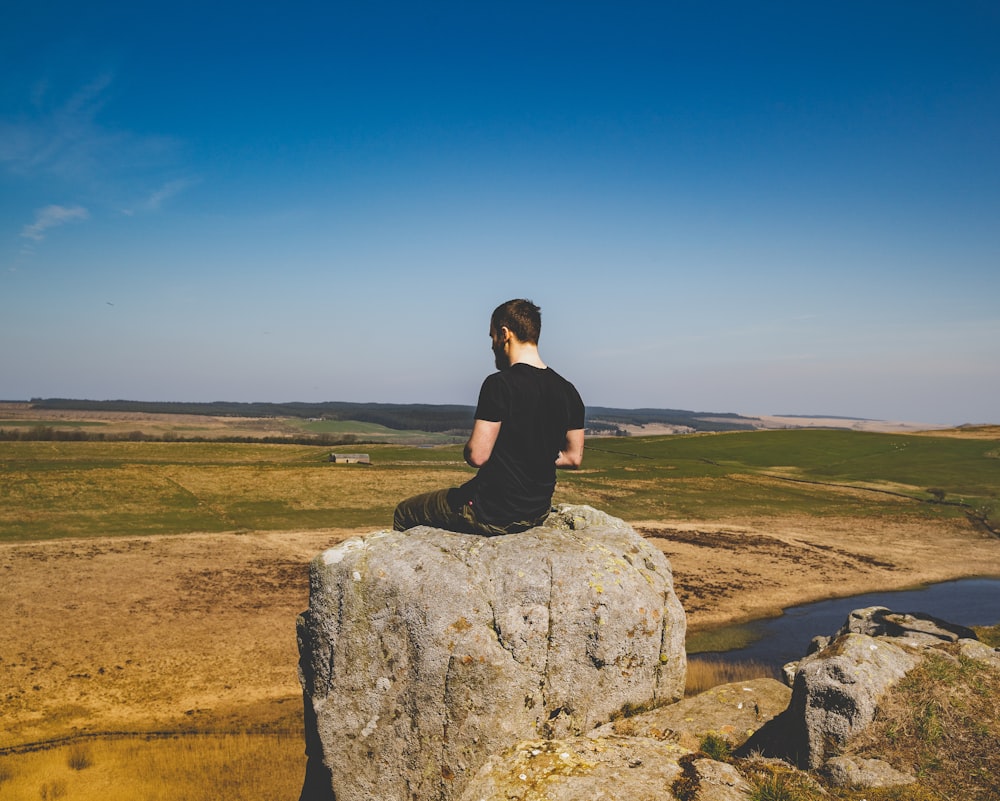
(571, 456)
(479, 448)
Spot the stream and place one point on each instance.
(776, 641)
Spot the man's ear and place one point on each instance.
(506, 334)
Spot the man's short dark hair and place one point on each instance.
(521, 317)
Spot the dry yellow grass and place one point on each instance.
(969, 432)
(941, 723)
(703, 673)
(194, 768)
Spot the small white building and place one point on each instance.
(350, 458)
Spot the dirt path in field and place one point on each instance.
(198, 631)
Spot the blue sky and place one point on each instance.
(760, 208)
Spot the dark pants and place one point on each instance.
(446, 509)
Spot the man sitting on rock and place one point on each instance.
(528, 422)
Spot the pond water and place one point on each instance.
(776, 641)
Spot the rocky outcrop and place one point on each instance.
(843, 771)
(424, 652)
(836, 689)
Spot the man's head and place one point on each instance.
(520, 320)
(521, 317)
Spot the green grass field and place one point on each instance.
(373, 432)
(80, 489)
(797, 471)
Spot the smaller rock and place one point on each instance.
(608, 768)
(845, 771)
(733, 711)
(980, 652)
(718, 781)
(579, 769)
(917, 627)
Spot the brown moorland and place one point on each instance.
(197, 631)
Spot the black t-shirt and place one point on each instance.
(535, 409)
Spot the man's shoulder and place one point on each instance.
(524, 375)
(529, 373)
(559, 379)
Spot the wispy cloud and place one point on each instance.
(165, 192)
(156, 199)
(67, 139)
(63, 146)
(50, 217)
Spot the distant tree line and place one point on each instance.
(437, 418)
(43, 433)
(603, 415)
(398, 416)
(600, 428)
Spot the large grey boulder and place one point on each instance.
(424, 652)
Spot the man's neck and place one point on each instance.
(525, 353)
